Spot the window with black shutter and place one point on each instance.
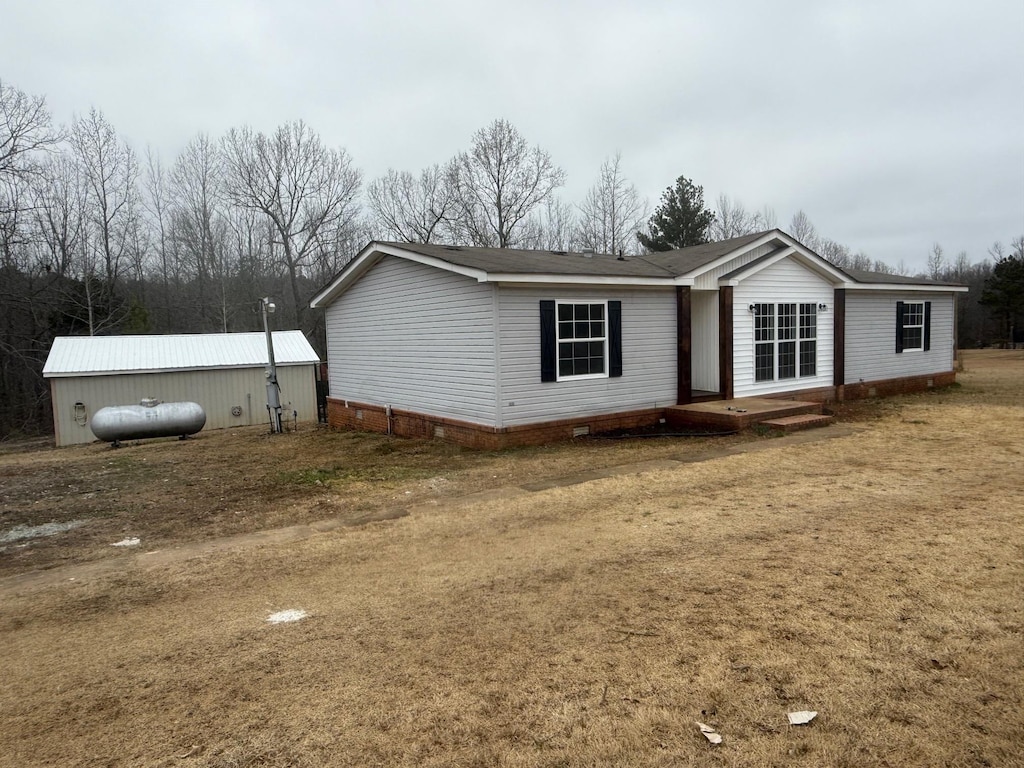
(913, 326)
(580, 339)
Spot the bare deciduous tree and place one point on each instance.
(612, 211)
(110, 172)
(936, 262)
(412, 209)
(500, 182)
(803, 230)
(157, 204)
(199, 226)
(732, 219)
(60, 213)
(25, 130)
(304, 188)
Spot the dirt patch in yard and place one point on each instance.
(229, 482)
(874, 578)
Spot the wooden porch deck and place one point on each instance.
(743, 412)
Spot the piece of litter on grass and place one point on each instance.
(130, 542)
(709, 733)
(801, 718)
(282, 617)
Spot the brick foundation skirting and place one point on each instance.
(373, 418)
(347, 414)
(881, 388)
(902, 386)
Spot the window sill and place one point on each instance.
(583, 377)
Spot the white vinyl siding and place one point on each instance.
(217, 391)
(708, 281)
(871, 336)
(648, 356)
(785, 282)
(416, 338)
(704, 340)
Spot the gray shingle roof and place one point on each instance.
(660, 265)
(511, 260)
(516, 261)
(864, 276)
(683, 260)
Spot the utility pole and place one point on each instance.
(273, 389)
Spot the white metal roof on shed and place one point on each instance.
(105, 355)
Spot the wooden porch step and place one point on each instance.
(735, 414)
(798, 422)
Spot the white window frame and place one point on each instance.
(919, 326)
(802, 329)
(590, 339)
(793, 335)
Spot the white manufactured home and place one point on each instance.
(493, 347)
(223, 372)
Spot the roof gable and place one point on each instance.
(805, 258)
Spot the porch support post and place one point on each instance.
(839, 342)
(684, 372)
(725, 340)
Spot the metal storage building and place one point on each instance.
(223, 372)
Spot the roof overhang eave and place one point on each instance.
(917, 287)
(191, 368)
(505, 278)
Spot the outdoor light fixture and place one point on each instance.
(822, 308)
(753, 309)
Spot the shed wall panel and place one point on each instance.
(416, 338)
(648, 356)
(217, 391)
(786, 281)
(871, 336)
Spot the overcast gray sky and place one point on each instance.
(893, 125)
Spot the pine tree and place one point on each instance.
(679, 220)
(1004, 291)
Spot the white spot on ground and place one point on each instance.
(281, 617)
(132, 542)
(20, 532)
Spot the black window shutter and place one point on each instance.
(614, 338)
(548, 356)
(899, 327)
(927, 326)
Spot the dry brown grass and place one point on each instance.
(874, 578)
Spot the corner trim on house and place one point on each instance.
(499, 405)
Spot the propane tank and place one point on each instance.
(150, 418)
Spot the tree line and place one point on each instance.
(95, 239)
